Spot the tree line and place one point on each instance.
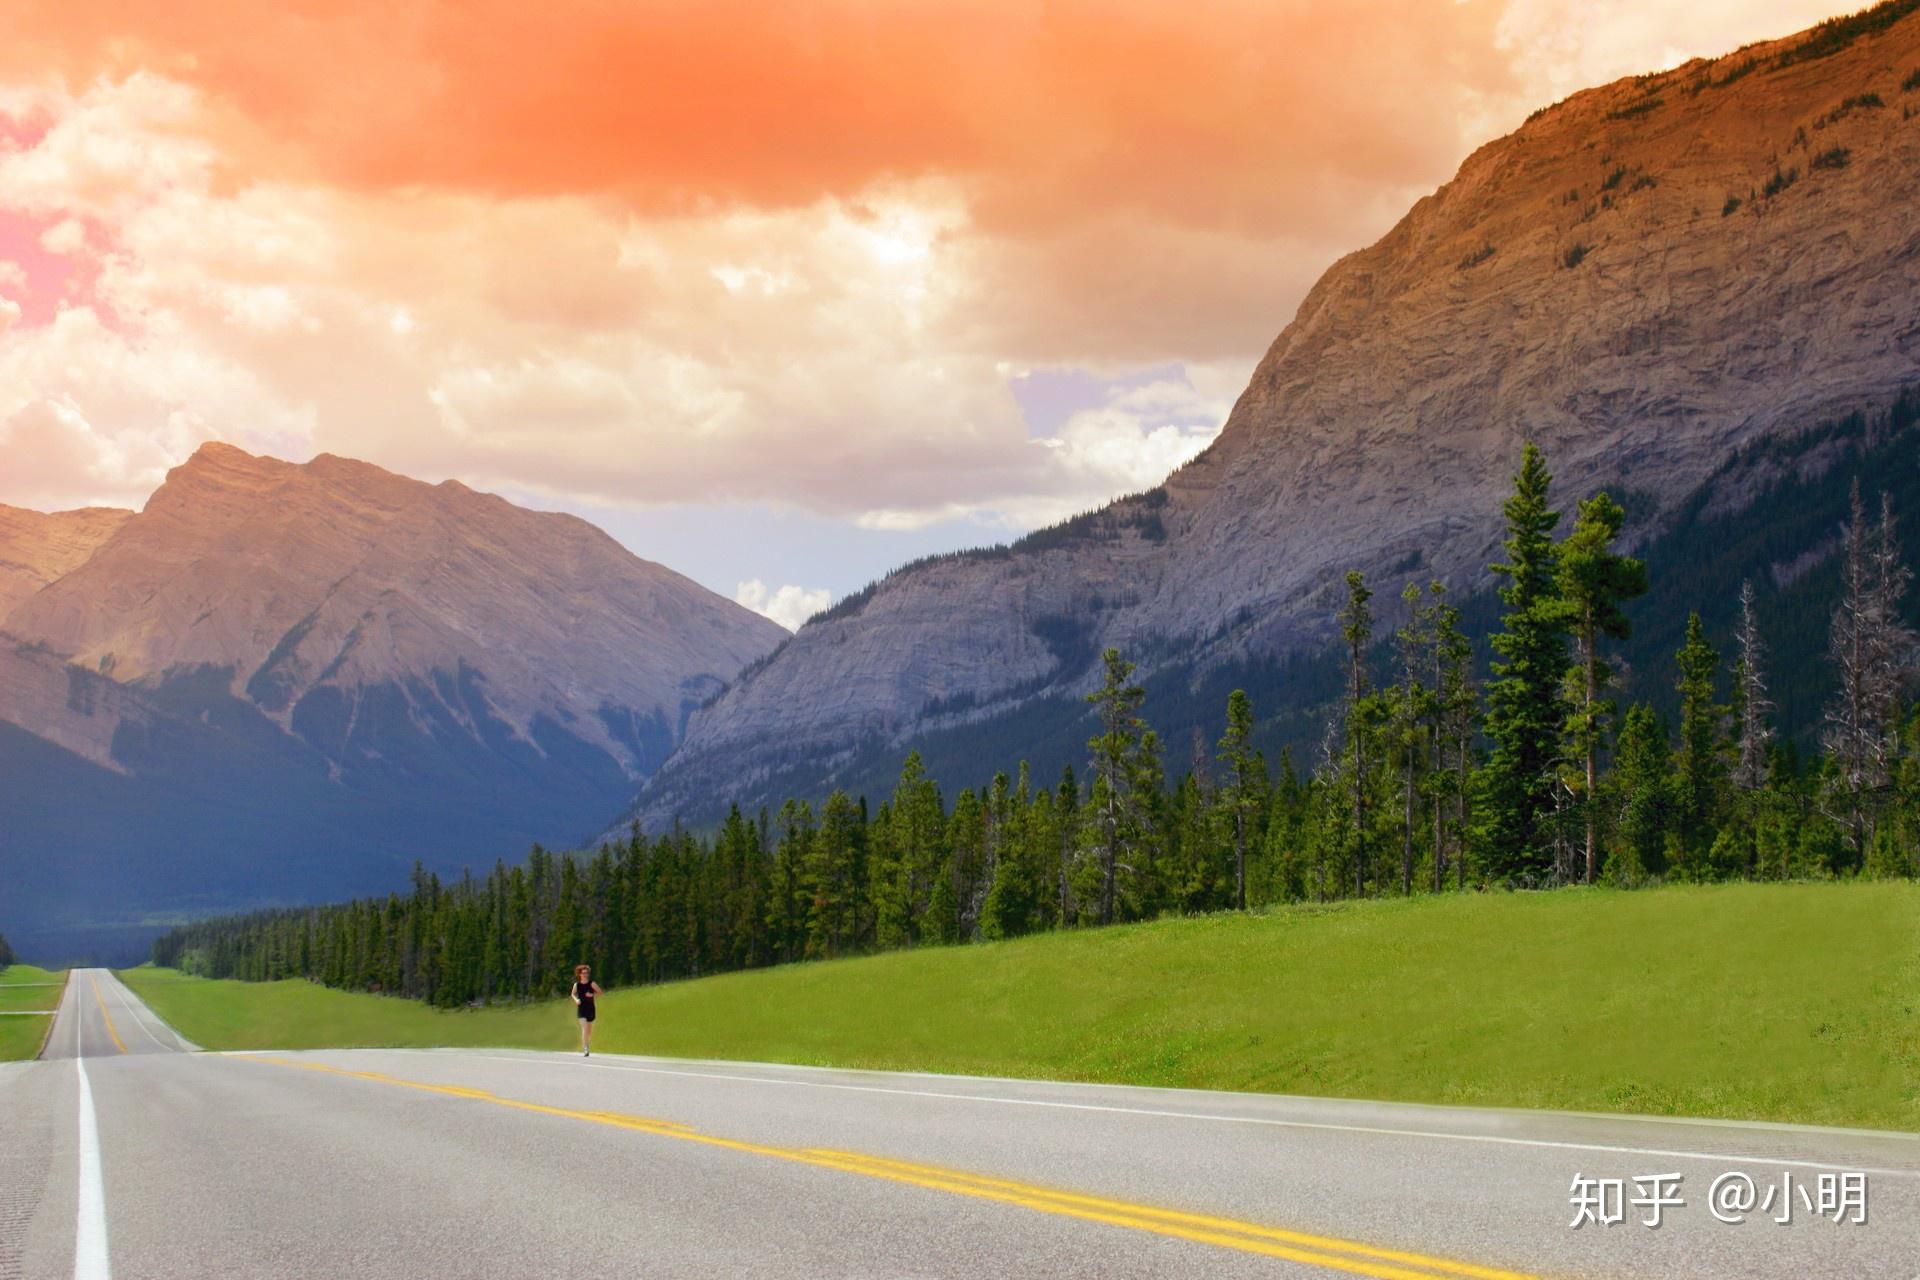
(1432, 776)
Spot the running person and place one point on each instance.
(584, 990)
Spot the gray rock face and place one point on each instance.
(338, 576)
(38, 547)
(1641, 279)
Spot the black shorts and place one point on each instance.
(585, 1013)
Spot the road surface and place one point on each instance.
(123, 1153)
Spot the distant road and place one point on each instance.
(122, 1153)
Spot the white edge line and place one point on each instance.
(1721, 1157)
(90, 1260)
(1201, 1095)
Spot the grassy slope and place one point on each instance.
(302, 1015)
(19, 989)
(1798, 1002)
(18, 974)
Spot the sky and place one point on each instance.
(780, 295)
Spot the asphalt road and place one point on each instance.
(122, 1153)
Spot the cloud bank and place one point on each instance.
(711, 252)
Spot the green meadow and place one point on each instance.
(1793, 1002)
(24, 988)
(297, 1014)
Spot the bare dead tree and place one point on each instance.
(1872, 651)
(1756, 731)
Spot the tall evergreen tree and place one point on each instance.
(1642, 779)
(1356, 629)
(1594, 580)
(1700, 766)
(1118, 750)
(1456, 722)
(1412, 721)
(1242, 788)
(1525, 707)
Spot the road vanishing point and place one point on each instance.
(125, 1151)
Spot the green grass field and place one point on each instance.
(14, 998)
(20, 1037)
(1779, 1002)
(20, 989)
(302, 1015)
(26, 974)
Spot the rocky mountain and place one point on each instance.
(1643, 279)
(37, 547)
(281, 680)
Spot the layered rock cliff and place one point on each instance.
(1641, 279)
(38, 547)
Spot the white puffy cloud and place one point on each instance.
(787, 605)
(1132, 441)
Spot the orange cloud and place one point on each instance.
(1237, 113)
(651, 252)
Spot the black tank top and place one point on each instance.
(583, 991)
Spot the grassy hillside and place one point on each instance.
(1784, 1002)
(304, 1015)
(24, 987)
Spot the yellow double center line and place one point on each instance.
(1350, 1256)
(118, 1043)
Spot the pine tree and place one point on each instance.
(1594, 580)
(1240, 796)
(1525, 708)
(787, 906)
(1356, 629)
(1012, 898)
(1700, 766)
(1641, 776)
(1456, 722)
(917, 828)
(1118, 810)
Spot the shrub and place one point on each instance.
(1614, 178)
(1644, 181)
(1575, 255)
(1835, 34)
(1858, 102)
(1732, 204)
(1640, 108)
(1833, 158)
(1912, 81)
(1780, 181)
(1477, 257)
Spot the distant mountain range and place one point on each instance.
(278, 682)
(1645, 279)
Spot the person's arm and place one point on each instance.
(574, 991)
(597, 991)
